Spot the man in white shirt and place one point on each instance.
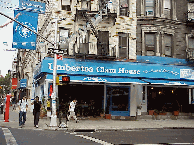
(71, 110)
(23, 106)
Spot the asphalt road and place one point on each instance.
(46, 137)
(148, 136)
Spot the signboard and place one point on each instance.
(113, 69)
(32, 6)
(23, 83)
(14, 83)
(22, 37)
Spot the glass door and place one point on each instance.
(119, 101)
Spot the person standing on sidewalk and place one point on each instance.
(23, 106)
(36, 111)
(71, 110)
(14, 103)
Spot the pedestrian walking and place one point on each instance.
(71, 110)
(2, 106)
(23, 106)
(36, 111)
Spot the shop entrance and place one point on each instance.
(89, 97)
(118, 100)
(168, 99)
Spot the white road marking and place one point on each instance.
(94, 139)
(181, 143)
(131, 130)
(10, 140)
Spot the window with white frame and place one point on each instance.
(66, 5)
(168, 45)
(64, 34)
(190, 11)
(149, 7)
(123, 44)
(167, 8)
(191, 47)
(124, 7)
(84, 43)
(150, 39)
(85, 4)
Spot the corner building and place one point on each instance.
(119, 54)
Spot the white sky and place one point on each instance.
(6, 35)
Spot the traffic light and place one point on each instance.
(65, 79)
(57, 80)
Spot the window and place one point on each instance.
(66, 5)
(149, 7)
(191, 96)
(190, 11)
(85, 4)
(167, 8)
(124, 7)
(150, 39)
(64, 34)
(84, 43)
(123, 45)
(191, 47)
(103, 43)
(120, 99)
(168, 45)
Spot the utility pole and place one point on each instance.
(53, 122)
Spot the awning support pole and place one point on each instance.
(104, 98)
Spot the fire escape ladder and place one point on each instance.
(88, 20)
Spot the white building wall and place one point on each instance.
(133, 100)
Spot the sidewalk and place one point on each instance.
(99, 124)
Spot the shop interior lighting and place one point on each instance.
(160, 92)
(172, 91)
(152, 88)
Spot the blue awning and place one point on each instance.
(169, 82)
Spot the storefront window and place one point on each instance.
(120, 99)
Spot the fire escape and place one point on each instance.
(93, 18)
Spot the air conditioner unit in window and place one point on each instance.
(149, 13)
(167, 13)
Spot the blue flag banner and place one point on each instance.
(22, 37)
(32, 6)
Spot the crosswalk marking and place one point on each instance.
(94, 139)
(10, 140)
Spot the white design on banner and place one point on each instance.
(96, 79)
(24, 32)
(187, 73)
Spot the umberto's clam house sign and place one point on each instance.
(116, 69)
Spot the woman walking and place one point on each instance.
(36, 111)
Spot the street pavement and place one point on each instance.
(18, 136)
(96, 124)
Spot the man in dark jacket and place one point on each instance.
(36, 111)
